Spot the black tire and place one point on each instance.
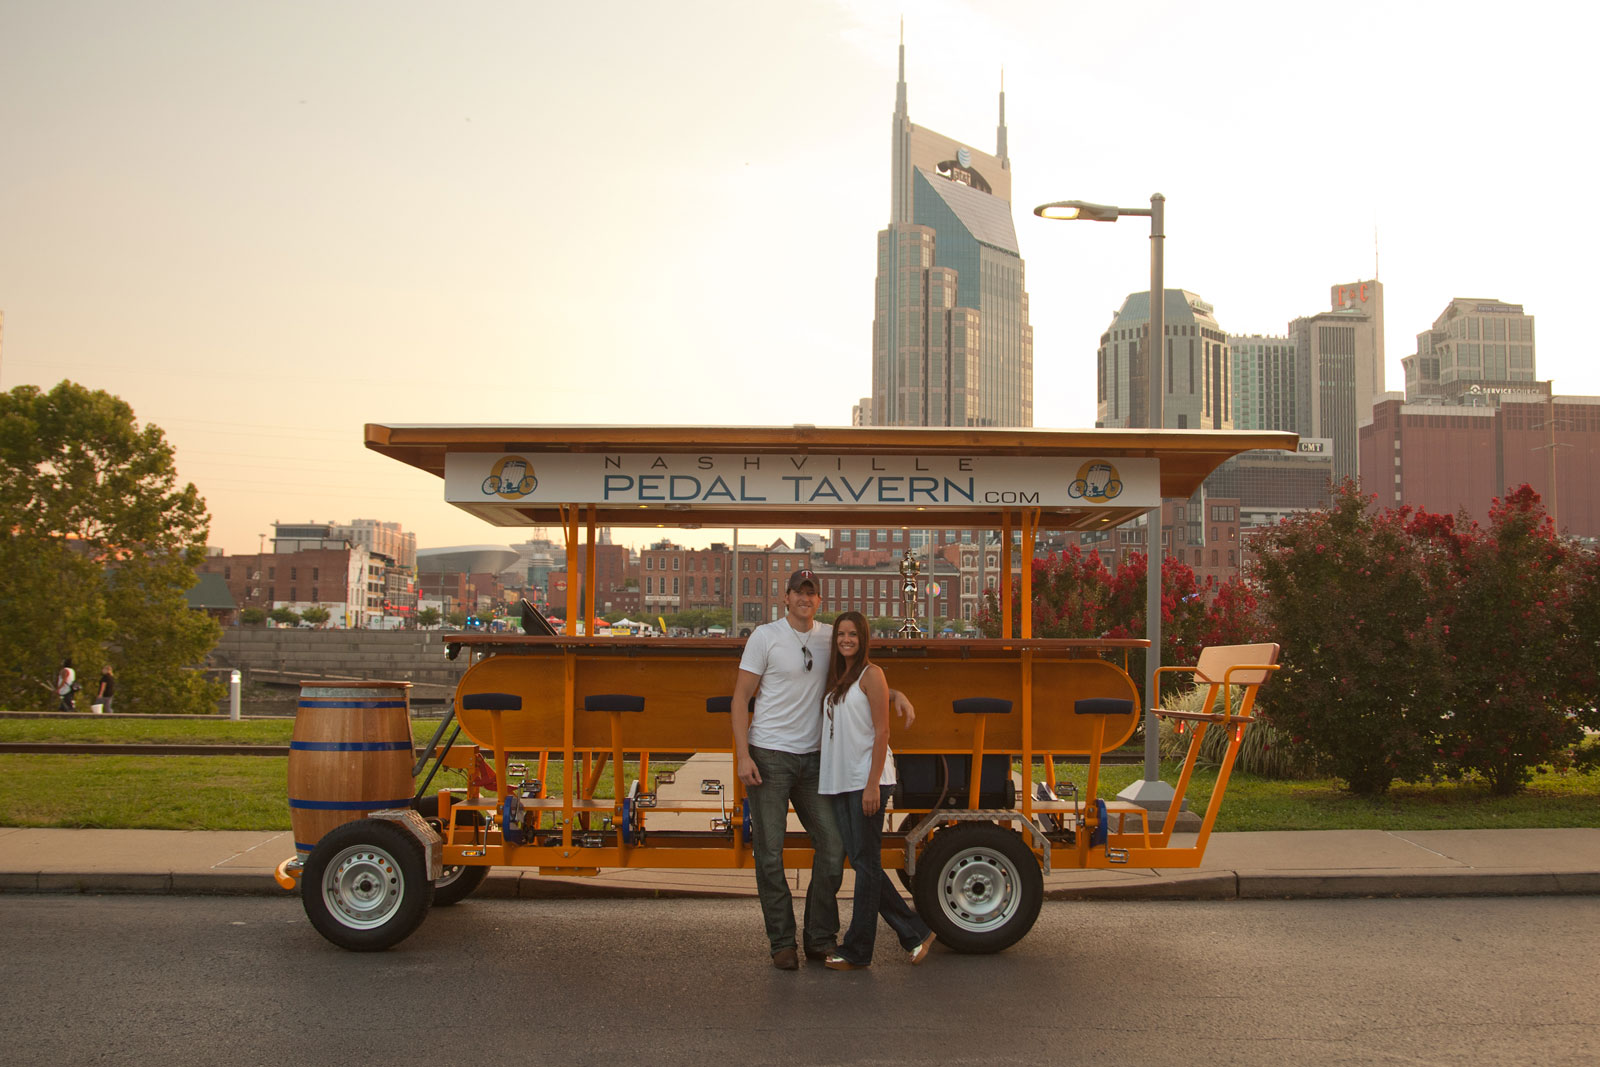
(979, 887)
(456, 883)
(365, 887)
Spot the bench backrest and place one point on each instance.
(1215, 662)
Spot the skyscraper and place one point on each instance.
(1197, 374)
(951, 343)
(1340, 353)
(1477, 348)
(1265, 372)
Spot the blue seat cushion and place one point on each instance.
(492, 702)
(981, 706)
(1102, 706)
(613, 702)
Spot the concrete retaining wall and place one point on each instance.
(271, 655)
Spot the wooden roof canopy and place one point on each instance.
(1186, 457)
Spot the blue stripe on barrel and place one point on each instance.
(318, 702)
(350, 746)
(349, 805)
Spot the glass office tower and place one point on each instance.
(951, 343)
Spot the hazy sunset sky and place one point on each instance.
(264, 225)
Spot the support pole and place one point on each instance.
(1151, 791)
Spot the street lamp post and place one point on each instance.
(1151, 792)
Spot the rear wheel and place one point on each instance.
(365, 886)
(456, 883)
(979, 887)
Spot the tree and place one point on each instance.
(98, 545)
(1074, 595)
(316, 615)
(252, 616)
(1509, 610)
(284, 616)
(427, 617)
(1351, 597)
(458, 618)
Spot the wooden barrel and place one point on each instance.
(351, 754)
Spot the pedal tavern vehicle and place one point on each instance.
(543, 720)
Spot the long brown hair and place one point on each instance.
(842, 674)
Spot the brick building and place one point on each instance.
(348, 582)
(1445, 458)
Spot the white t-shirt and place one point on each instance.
(847, 745)
(64, 684)
(788, 715)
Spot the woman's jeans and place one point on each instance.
(790, 777)
(863, 842)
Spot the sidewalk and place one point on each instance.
(1288, 864)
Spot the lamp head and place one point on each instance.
(1078, 209)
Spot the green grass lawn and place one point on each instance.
(249, 792)
(168, 730)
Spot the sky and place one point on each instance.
(265, 225)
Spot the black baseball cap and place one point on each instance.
(802, 577)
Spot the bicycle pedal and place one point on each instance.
(710, 786)
(591, 840)
(1116, 855)
(721, 826)
(665, 778)
(645, 800)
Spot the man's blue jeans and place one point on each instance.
(791, 778)
(863, 842)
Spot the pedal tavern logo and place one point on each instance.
(1097, 482)
(511, 478)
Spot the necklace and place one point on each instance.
(805, 649)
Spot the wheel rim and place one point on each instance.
(979, 889)
(363, 887)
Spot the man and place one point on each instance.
(777, 755)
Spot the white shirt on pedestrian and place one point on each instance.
(847, 738)
(788, 714)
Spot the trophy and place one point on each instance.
(908, 595)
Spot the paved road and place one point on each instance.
(246, 981)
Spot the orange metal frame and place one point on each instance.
(1041, 677)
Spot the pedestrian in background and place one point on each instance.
(66, 684)
(102, 694)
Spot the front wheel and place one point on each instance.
(979, 887)
(365, 886)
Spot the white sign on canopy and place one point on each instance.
(800, 481)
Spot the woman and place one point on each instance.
(855, 756)
(66, 684)
(108, 685)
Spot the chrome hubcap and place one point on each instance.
(363, 887)
(979, 889)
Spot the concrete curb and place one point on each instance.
(1332, 885)
(1211, 885)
